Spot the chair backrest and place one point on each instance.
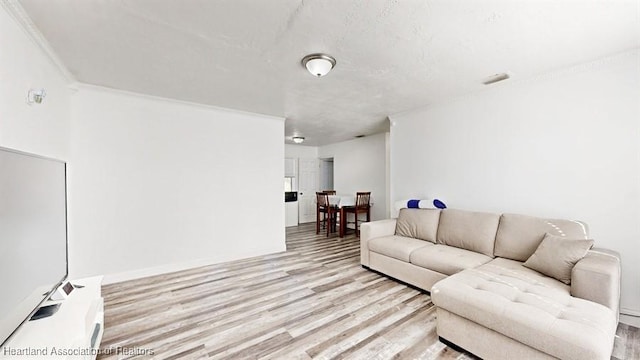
(362, 199)
(329, 192)
(322, 199)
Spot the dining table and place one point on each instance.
(342, 201)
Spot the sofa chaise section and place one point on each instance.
(488, 302)
(516, 303)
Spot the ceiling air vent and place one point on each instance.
(495, 78)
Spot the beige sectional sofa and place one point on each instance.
(505, 286)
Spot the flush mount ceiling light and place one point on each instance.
(319, 64)
(298, 139)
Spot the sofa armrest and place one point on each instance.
(371, 230)
(597, 278)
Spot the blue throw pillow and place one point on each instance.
(439, 204)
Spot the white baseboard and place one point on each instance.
(186, 265)
(630, 312)
(156, 270)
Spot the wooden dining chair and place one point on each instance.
(326, 213)
(362, 206)
(331, 192)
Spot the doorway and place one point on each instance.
(326, 174)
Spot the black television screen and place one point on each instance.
(33, 235)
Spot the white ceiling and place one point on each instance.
(392, 55)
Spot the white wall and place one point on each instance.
(566, 145)
(157, 182)
(360, 165)
(152, 184)
(300, 151)
(42, 129)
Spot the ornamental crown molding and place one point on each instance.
(15, 10)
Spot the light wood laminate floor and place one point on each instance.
(312, 301)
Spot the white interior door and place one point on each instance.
(307, 187)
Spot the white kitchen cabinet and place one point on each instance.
(290, 167)
(291, 213)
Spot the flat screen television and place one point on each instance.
(33, 235)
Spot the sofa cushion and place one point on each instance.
(519, 235)
(556, 256)
(397, 247)
(447, 260)
(475, 231)
(418, 223)
(528, 307)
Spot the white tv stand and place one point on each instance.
(73, 332)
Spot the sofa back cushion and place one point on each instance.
(474, 231)
(418, 223)
(519, 235)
